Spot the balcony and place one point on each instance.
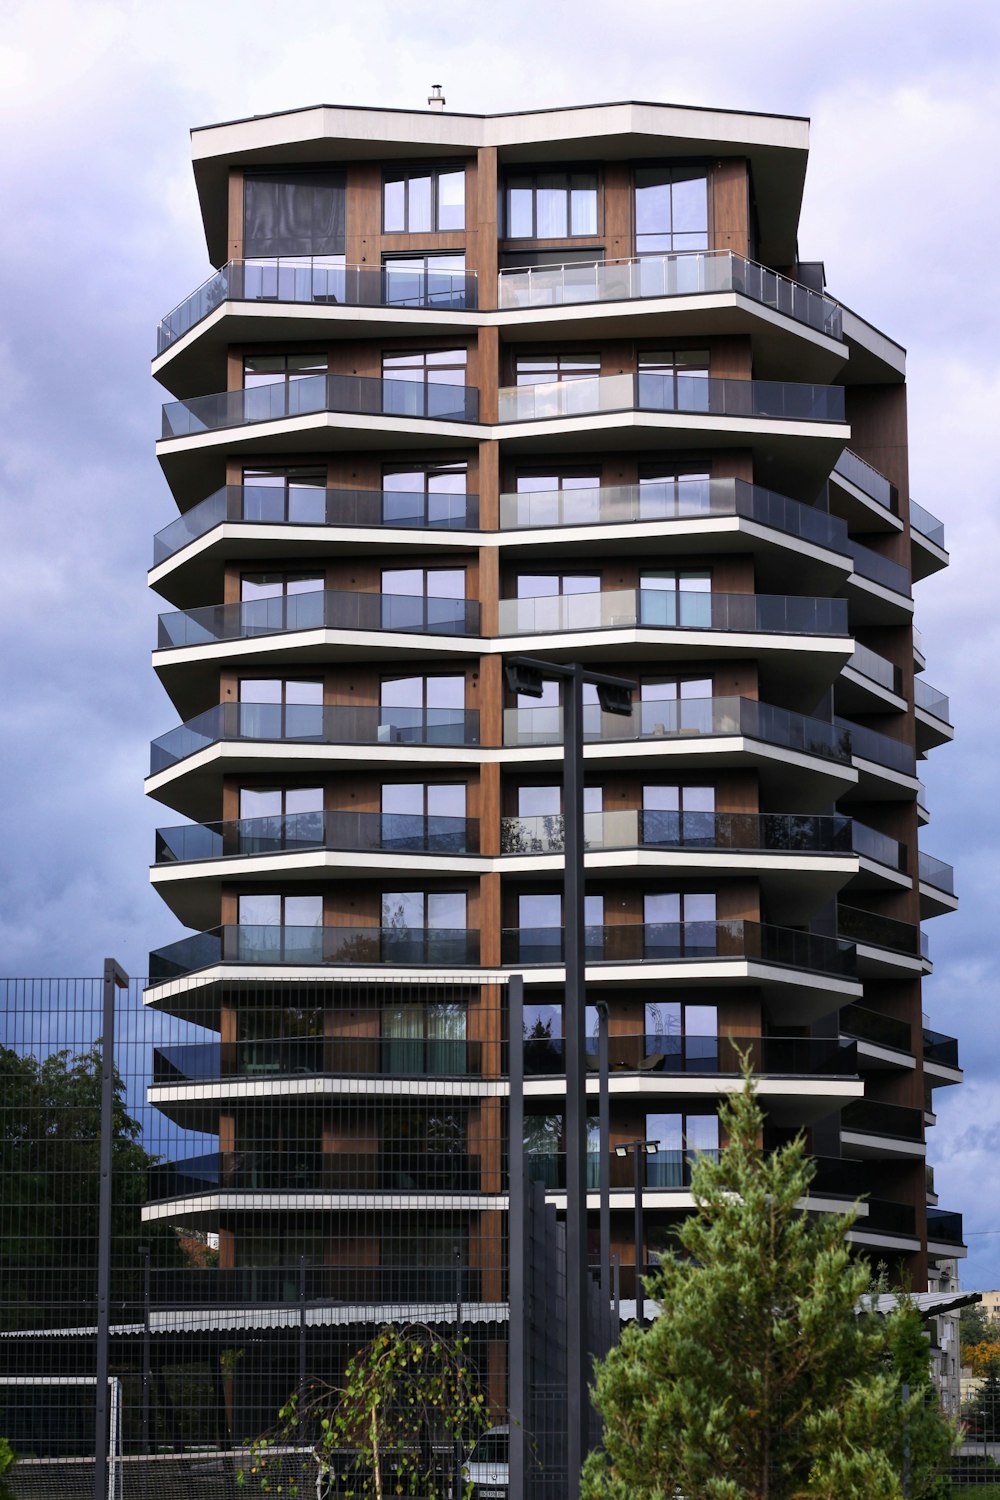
(692, 273)
(660, 609)
(777, 400)
(268, 505)
(879, 749)
(686, 719)
(670, 1170)
(927, 546)
(310, 1056)
(871, 1026)
(875, 568)
(926, 524)
(314, 724)
(869, 481)
(306, 279)
(884, 1217)
(680, 500)
(877, 669)
(872, 1117)
(937, 885)
(293, 833)
(940, 1048)
(638, 829)
(266, 1286)
(330, 609)
(684, 942)
(945, 1228)
(931, 700)
(253, 1171)
(878, 847)
(871, 929)
(353, 395)
(313, 947)
(711, 1055)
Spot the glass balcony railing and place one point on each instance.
(292, 833)
(329, 609)
(312, 279)
(666, 609)
(871, 844)
(684, 942)
(253, 1171)
(291, 1057)
(660, 1169)
(931, 700)
(314, 724)
(871, 1026)
(872, 1117)
(188, 1287)
(936, 873)
(648, 1053)
(686, 718)
(944, 1226)
(303, 505)
(889, 1218)
(652, 391)
(358, 395)
(650, 829)
(314, 946)
(881, 749)
(672, 500)
(926, 524)
(878, 569)
(940, 1048)
(877, 669)
(876, 931)
(871, 483)
(687, 274)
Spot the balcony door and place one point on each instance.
(680, 1036)
(674, 380)
(674, 597)
(425, 926)
(433, 495)
(553, 498)
(421, 710)
(421, 383)
(679, 924)
(281, 601)
(281, 708)
(296, 496)
(675, 815)
(274, 819)
(424, 816)
(275, 927)
(430, 599)
(676, 705)
(419, 1040)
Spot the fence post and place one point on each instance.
(114, 978)
(905, 1392)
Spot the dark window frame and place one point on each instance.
(567, 170)
(434, 173)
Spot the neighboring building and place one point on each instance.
(552, 383)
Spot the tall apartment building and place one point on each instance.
(552, 383)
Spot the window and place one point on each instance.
(551, 205)
(679, 925)
(671, 210)
(425, 816)
(681, 1137)
(267, 369)
(296, 495)
(682, 1036)
(420, 200)
(540, 922)
(431, 495)
(294, 213)
(423, 599)
(673, 814)
(283, 385)
(436, 279)
(278, 585)
(558, 601)
(677, 490)
(420, 383)
(676, 597)
(281, 601)
(277, 708)
(676, 705)
(674, 380)
(422, 710)
(427, 911)
(554, 498)
(424, 1039)
(547, 369)
(273, 927)
(276, 818)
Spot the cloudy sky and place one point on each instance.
(99, 236)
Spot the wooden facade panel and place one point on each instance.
(730, 206)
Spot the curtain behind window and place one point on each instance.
(293, 213)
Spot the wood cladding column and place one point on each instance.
(234, 239)
(618, 237)
(482, 234)
(731, 207)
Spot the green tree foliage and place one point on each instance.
(759, 1381)
(983, 1412)
(7, 1459)
(406, 1403)
(50, 1110)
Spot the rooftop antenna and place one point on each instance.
(435, 99)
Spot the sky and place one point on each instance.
(100, 236)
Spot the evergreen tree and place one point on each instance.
(983, 1412)
(758, 1381)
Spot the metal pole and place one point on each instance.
(604, 1132)
(114, 978)
(302, 1327)
(459, 1455)
(144, 1252)
(515, 1227)
(640, 1260)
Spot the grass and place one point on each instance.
(975, 1491)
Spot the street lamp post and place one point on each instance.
(638, 1150)
(526, 674)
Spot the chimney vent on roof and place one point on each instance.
(435, 99)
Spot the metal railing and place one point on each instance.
(936, 872)
(668, 609)
(296, 1171)
(263, 946)
(357, 395)
(871, 483)
(685, 274)
(712, 1055)
(691, 942)
(291, 833)
(653, 391)
(806, 833)
(312, 279)
(672, 500)
(314, 724)
(301, 505)
(320, 609)
(291, 1057)
(868, 663)
(687, 718)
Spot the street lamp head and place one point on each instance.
(650, 1147)
(524, 679)
(621, 1151)
(614, 699)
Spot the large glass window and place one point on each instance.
(424, 1039)
(673, 490)
(680, 1137)
(681, 1035)
(679, 924)
(413, 382)
(430, 494)
(551, 205)
(676, 596)
(275, 585)
(671, 209)
(558, 498)
(424, 815)
(423, 598)
(422, 709)
(280, 818)
(673, 814)
(281, 601)
(424, 910)
(266, 369)
(420, 200)
(436, 279)
(294, 213)
(672, 705)
(547, 369)
(281, 708)
(297, 495)
(674, 380)
(273, 926)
